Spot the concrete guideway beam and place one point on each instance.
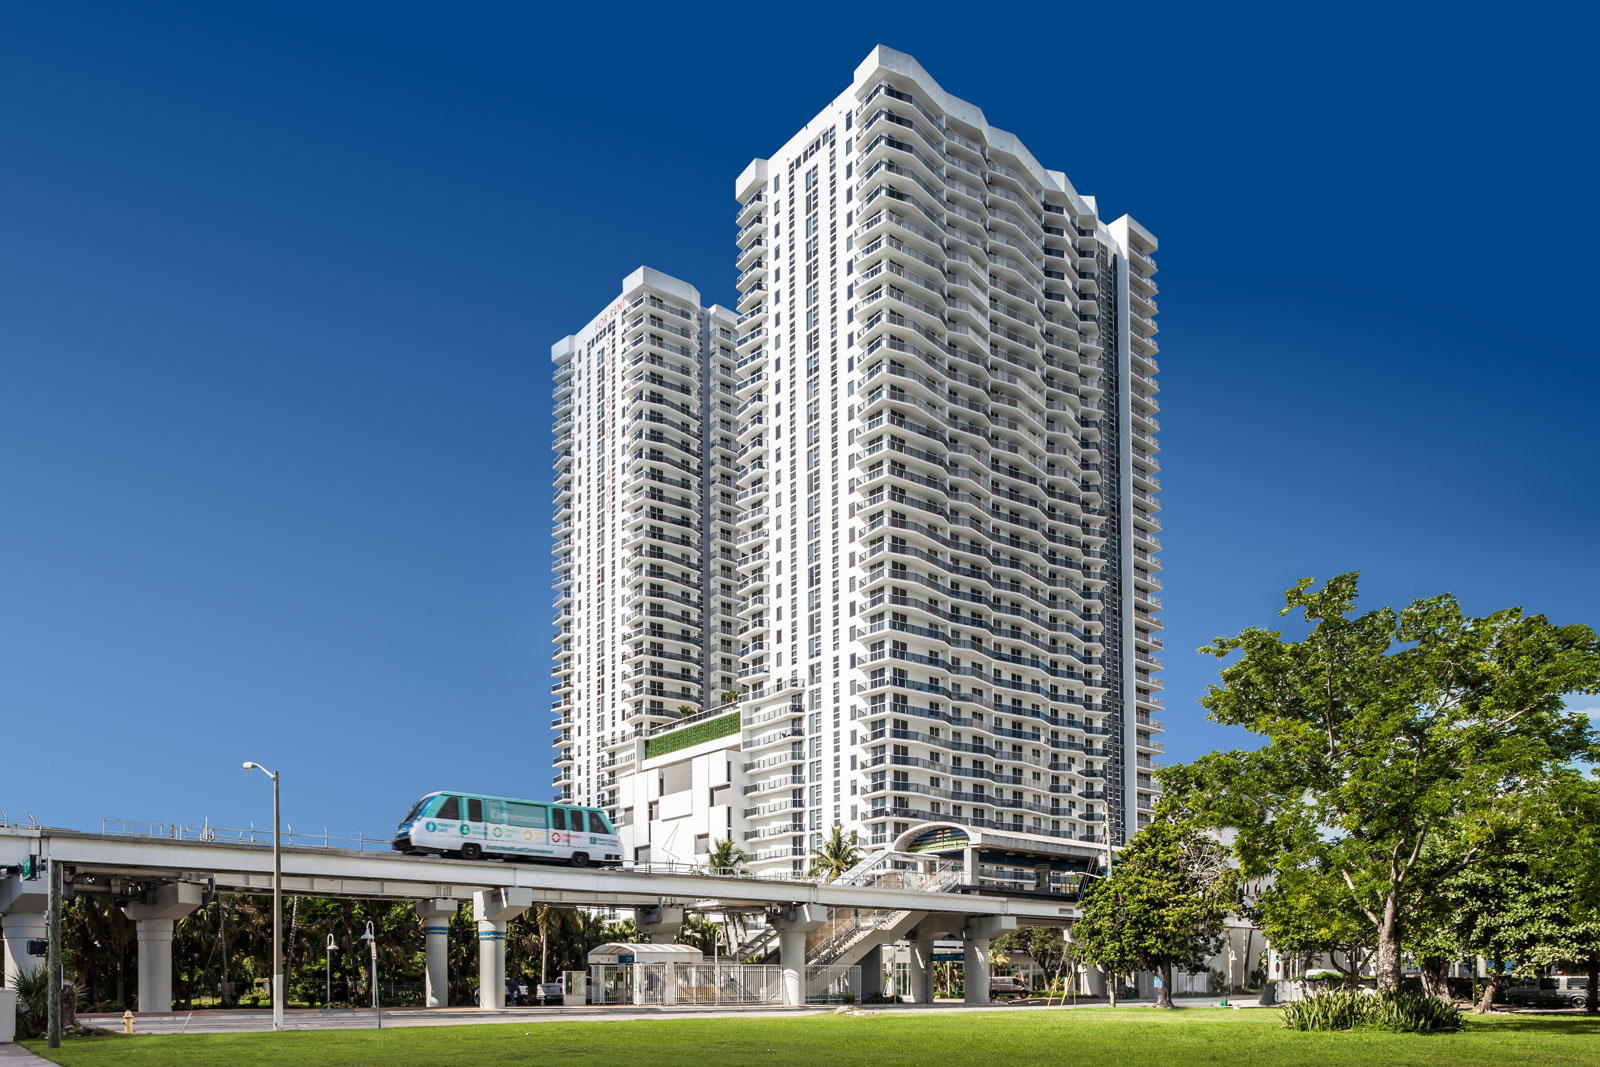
(494, 908)
(155, 918)
(793, 924)
(378, 875)
(436, 913)
(22, 908)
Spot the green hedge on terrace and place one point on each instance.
(700, 732)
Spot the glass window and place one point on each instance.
(536, 816)
(450, 810)
(558, 818)
(578, 826)
(497, 811)
(1549, 983)
(474, 810)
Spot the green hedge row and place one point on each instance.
(699, 733)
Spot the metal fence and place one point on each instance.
(659, 984)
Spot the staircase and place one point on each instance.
(848, 934)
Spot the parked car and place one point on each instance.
(1006, 985)
(551, 993)
(1556, 991)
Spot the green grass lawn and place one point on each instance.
(1124, 1036)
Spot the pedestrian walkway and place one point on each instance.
(17, 1056)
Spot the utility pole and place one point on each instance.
(53, 963)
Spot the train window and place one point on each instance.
(534, 815)
(558, 818)
(474, 810)
(497, 811)
(577, 822)
(450, 810)
(599, 824)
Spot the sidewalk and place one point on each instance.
(17, 1056)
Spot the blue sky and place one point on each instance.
(278, 286)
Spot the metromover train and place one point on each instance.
(473, 826)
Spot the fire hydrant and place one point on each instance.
(127, 1022)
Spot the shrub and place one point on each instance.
(1413, 1013)
(33, 1004)
(1340, 1009)
(1349, 1009)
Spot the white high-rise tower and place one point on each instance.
(944, 533)
(644, 493)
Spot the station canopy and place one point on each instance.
(1009, 847)
(616, 952)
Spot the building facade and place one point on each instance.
(943, 531)
(644, 563)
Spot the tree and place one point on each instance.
(1043, 944)
(702, 933)
(1163, 906)
(1384, 731)
(727, 858)
(1308, 912)
(836, 855)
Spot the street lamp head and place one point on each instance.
(250, 766)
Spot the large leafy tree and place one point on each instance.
(1385, 731)
(1308, 912)
(1043, 944)
(1163, 906)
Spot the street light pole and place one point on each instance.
(277, 900)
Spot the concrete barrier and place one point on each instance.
(8, 1016)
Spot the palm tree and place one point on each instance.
(727, 858)
(835, 855)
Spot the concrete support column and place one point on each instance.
(19, 927)
(155, 916)
(872, 964)
(921, 991)
(975, 939)
(491, 965)
(155, 964)
(792, 958)
(493, 909)
(22, 908)
(969, 863)
(436, 915)
(975, 970)
(793, 924)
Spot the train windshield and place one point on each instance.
(416, 809)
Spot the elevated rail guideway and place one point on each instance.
(160, 879)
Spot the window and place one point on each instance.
(558, 818)
(450, 810)
(474, 810)
(536, 816)
(577, 822)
